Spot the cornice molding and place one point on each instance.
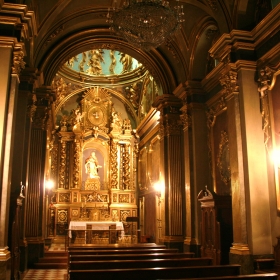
(148, 123)
(19, 14)
(238, 40)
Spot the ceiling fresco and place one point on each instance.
(131, 87)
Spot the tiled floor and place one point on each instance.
(46, 274)
(57, 247)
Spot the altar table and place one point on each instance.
(95, 225)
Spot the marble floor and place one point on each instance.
(46, 274)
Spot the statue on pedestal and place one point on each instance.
(91, 165)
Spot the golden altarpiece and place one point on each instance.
(93, 159)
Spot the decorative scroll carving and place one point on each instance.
(124, 214)
(18, 63)
(124, 198)
(114, 165)
(32, 107)
(75, 197)
(135, 163)
(54, 161)
(75, 214)
(40, 116)
(132, 198)
(223, 163)
(133, 93)
(229, 82)
(126, 126)
(94, 197)
(76, 168)
(61, 89)
(186, 119)
(114, 214)
(64, 197)
(54, 35)
(264, 82)
(173, 126)
(125, 154)
(62, 167)
(92, 184)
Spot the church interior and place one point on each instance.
(117, 137)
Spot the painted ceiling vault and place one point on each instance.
(130, 85)
(75, 48)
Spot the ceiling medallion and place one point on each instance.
(146, 24)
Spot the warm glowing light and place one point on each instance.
(49, 184)
(157, 187)
(276, 157)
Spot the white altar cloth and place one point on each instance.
(96, 225)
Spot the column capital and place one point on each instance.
(22, 23)
(168, 103)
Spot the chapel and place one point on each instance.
(165, 133)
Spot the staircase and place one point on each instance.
(52, 260)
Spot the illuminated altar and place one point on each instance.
(93, 162)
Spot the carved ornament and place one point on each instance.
(54, 34)
(264, 83)
(18, 63)
(186, 119)
(223, 162)
(114, 165)
(229, 82)
(213, 4)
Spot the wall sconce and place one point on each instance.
(158, 187)
(276, 157)
(49, 186)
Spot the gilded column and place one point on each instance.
(76, 167)
(171, 147)
(114, 165)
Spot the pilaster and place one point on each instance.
(193, 118)
(12, 63)
(35, 207)
(171, 147)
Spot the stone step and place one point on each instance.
(50, 266)
(52, 260)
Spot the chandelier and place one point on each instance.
(145, 23)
